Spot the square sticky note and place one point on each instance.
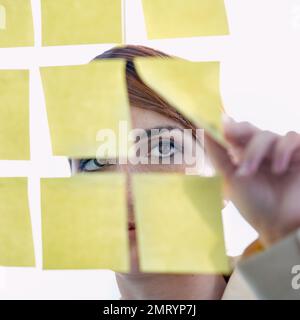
(84, 222)
(188, 18)
(16, 23)
(16, 242)
(75, 22)
(2, 17)
(81, 102)
(191, 87)
(14, 115)
(179, 224)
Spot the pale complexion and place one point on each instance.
(262, 179)
(137, 285)
(264, 182)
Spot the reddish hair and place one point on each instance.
(140, 95)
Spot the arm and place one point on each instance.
(275, 273)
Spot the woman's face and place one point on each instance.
(159, 148)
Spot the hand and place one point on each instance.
(262, 177)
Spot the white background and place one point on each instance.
(260, 83)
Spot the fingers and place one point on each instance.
(238, 133)
(219, 157)
(257, 150)
(284, 151)
(253, 147)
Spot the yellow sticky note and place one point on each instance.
(16, 242)
(191, 87)
(81, 101)
(16, 23)
(14, 119)
(84, 222)
(75, 22)
(188, 18)
(179, 224)
(2, 17)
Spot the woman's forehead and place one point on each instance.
(143, 118)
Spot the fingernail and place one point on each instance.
(226, 119)
(245, 169)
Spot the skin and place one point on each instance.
(137, 285)
(262, 178)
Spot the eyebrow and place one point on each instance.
(149, 132)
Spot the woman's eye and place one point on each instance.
(92, 165)
(164, 149)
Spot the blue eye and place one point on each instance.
(91, 165)
(164, 149)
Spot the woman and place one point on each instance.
(255, 177)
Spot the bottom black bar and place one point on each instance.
(122, 309)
